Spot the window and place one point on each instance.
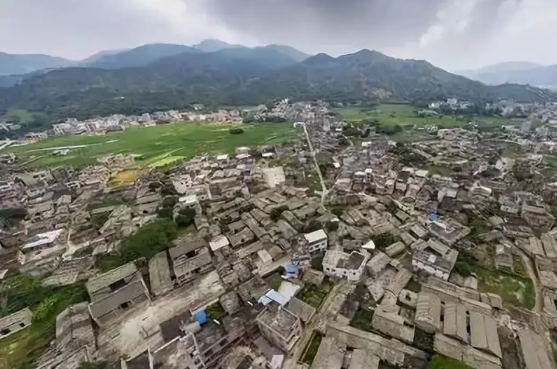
(22, 325)
(125, 305)
(117, 285)
(5, 331)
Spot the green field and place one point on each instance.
(153, 146)
(19, 116)
(513, 289)
(389, 115)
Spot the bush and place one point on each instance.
(383, 241)
(169, 201)
(185, 218)
(351, 132)
(13, 215)
(166, 213)
(236, 131)
(276, 212)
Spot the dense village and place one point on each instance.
(334, 251)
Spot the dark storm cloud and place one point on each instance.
(362, 23)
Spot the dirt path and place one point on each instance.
(534, 277)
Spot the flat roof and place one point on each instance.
(43, 239)
(190, 199)
(218, 243)
(315, 236)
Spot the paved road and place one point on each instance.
(324, 189)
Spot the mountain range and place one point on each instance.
(167, 76)
(20, 64)
(526, 73)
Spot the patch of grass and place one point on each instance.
(125, 177)
(314, 295)
(312, 181)
(106, 262)
(390, 115)
(215, 311)
(19, 116)
(165, 143)
(414, 285)
(513, 289)
(512, 150)
(441, 170)
(519, 267)
(362, 320)
(21, 350)
(312, 348)
(442, 362)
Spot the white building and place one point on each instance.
(274, 177)
(42, 246)
(316, 241)
(189, 202)
(343, 265)
(431, 263)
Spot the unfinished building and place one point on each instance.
(190, 259)
(280, 326)
(115, 291)
(15, 322)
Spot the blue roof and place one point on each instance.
(200, 316)
(291, 268)
(272, 295)
(432, 217)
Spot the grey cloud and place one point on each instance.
(348, 24)
(78, 28)
(449, 33)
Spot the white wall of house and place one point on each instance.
(430, 269)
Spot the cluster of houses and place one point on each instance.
(269, 264)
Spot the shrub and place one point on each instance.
(236, 131)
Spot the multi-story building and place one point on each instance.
(316, 242)
(279, 326)
(344, 265)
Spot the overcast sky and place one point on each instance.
(453, 34)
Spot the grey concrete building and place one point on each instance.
(280, 326)
(115, 291)
(15, 322)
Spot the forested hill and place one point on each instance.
(243, 76)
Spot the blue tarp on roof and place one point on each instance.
(272, 295)
(291, 268)
(200, 316)
(432, 217)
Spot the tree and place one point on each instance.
(313, 226)
(149, 240)
(169, 201)
(185, 217)
(332, 226)
(166, 213)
